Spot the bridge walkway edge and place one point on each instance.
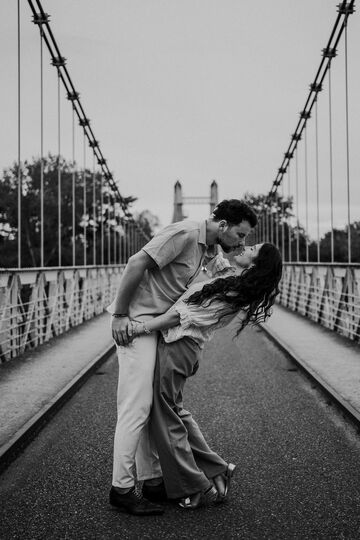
(329, 359)
(34, 386)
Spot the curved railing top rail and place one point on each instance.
(327, 264)
(59, 268)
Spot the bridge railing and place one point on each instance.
(39, 303)
(328, 294)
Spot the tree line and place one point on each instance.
(99, 236)
(95, 225)
(296, 242)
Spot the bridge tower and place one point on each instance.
(178, 203)
(179, 200)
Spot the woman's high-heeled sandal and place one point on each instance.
(209, 496)
(227, 475)
(206, 498)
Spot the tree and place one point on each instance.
(149, 222)
(279, 205)
(275, 217)
(275, 222)
(340, 244)
(96, 225)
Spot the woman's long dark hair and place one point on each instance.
(253, 291)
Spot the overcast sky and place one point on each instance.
(193, 90)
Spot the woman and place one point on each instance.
(192, 472)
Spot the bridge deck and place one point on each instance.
(298, 461)
(32, 387)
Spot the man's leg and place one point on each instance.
(135, 390)
(147, 458)
(136, 372)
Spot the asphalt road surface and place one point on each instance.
(298, 474)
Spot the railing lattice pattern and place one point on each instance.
(38, 304)
(325, 293)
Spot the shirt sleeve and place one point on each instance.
(167, 245)
(201, 316)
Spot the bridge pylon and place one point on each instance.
(180, 200)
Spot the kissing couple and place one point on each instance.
(166, 308)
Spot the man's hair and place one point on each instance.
(234, 211)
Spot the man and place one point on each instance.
(153, 280)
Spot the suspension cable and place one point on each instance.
(317, 181)
(115, 233)
(73, 189)
(347, 144)
(108, 228)
(261, 234)
(131, 236)
(126, 240)
(120, 240)
(19, 232)
(297, 206)
(84, 201)
(306, 197)
(134, 232)
(282, 223)
(331, 172)
(41, 152)
(265, 223)
(329, 52)
(289, 218)
(42, 20)
(277, 225)
(94, 211)
(102, 218)
(59, 176)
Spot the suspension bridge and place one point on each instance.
(66, 233)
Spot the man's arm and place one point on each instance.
(133, 273)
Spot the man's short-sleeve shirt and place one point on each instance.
(179, 251)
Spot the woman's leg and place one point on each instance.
(206, 459)
(174, 363)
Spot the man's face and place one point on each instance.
(231, 237)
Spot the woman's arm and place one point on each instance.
(162, 322)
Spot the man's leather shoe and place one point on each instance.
(134, 503)
(155, 493)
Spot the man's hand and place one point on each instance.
(121, 330)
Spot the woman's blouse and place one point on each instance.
(199, 322)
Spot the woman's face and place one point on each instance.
(247, 256)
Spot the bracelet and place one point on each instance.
(145, 328)
(119, 315)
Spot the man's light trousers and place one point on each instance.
(132, 445)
